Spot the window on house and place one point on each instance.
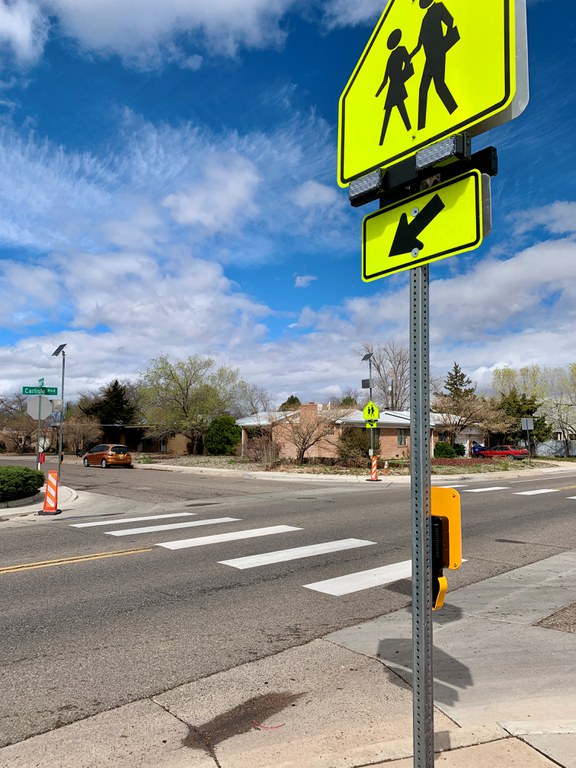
(402, 436)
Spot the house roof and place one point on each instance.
(263, 418)
(386, 418)
(400, 419)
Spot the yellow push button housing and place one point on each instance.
(446, 539)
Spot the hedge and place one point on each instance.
(19, 482)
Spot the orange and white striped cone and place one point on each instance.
(51, 495)
(374, 470)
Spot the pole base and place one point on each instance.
(48, 514)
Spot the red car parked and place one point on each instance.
(504, 452)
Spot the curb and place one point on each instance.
(21, 502)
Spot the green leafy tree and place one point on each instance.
(223, 436)
(186, 395)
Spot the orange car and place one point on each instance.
(108, 455)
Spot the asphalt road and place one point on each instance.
(88, 635)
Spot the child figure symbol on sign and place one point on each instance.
(399, 69)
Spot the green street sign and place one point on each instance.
(39, 390)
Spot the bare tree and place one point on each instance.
(18, 427)
(390, 374)
(307, 428)
(254, 399)
(80, 431)
(559, 402)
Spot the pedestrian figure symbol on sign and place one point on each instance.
(436, 45)
(399, 69)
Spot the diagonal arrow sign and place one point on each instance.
(406, 237)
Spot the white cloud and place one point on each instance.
(223, 193)
(313, 194)
(303, 281)
(146, 37)
(343, 13)
(165, 30)
(558, 218)
(23, 29)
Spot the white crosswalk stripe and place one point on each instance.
(131, 519)
(296, 553)
(486, 490)
(536, 493)
(223, 537)
(356, 582)
(172, 526)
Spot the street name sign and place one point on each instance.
(443, 221)
(431, 69)
(39, 390)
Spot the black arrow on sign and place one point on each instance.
(406, 237)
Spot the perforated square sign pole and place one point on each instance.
(422, 643)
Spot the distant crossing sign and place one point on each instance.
(371, 414)
(432, 68)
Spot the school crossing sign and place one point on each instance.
(432, 68)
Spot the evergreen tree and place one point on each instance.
(291, 404)
(112, 406)
(517, 406)
(457, 384)
(223, 436)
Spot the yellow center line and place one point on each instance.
(70, 560)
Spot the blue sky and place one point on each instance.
(168, 186)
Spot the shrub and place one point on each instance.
(353, 443)
(444, 451)
(460, 449)
(2, 446)
(19, 482)
(222, 437)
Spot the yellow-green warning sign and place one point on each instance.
(431, 68)
(445, 220)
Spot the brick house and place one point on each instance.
(392, 434)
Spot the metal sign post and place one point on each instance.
(422, 674)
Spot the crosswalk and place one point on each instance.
(342, 585)
(345, 584)
(492, 488)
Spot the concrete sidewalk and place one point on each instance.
(505, 695)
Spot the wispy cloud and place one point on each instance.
(303, 281)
